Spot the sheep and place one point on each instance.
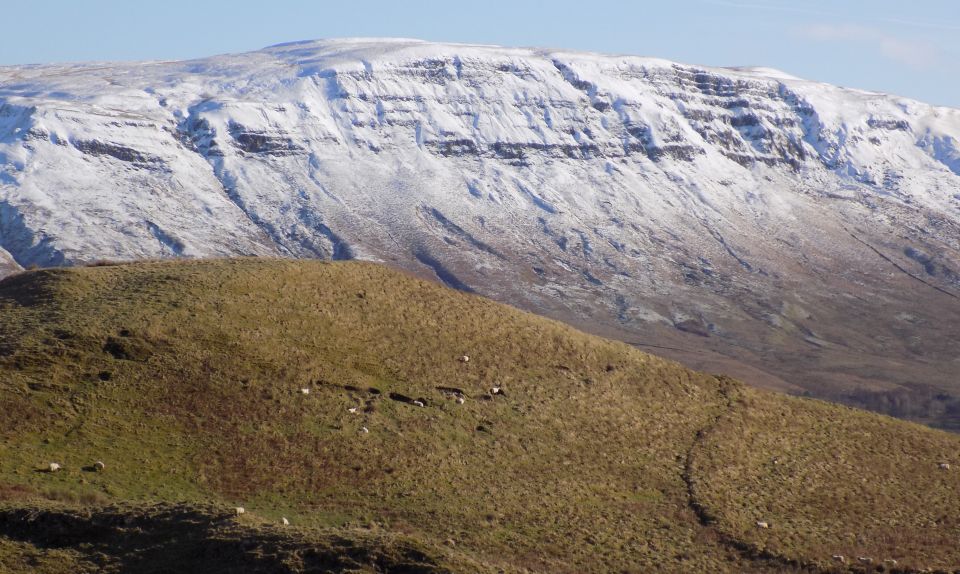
(352, 410)
(496, 391)
(99, 466)
(418, 403)
(762, 524)
(364, 430)
(239, 510)
(944, 466)
(864, 560)
(54, 467)
(839, 558)
(464, 359)
(461, 400)
(304, 391)
(890, 561)
(284, 521)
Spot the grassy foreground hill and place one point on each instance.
(186, 379)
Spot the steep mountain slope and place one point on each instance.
(7, 264)
(185, 380)
(801, 236)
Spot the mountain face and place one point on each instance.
(797, 235)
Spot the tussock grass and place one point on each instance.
(185, 378)
(831, 480)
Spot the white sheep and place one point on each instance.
(364, 430)
(461, 400)
(54, 467)
(944, 466)
(464, 359)
(352, 410)
(99, 466)
(419, 403)
(762, 524)
(890, 561)
(864, 560)
(239, 510)
(304, 391)
(284, 521)
(495, 391)
(839, 558)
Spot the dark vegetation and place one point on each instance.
(186, 379)
(174, 538)
(921, 403)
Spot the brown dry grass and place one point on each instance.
(184, 378)
(831, 480)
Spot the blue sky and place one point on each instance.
(907, 48)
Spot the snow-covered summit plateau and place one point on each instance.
(796, 234)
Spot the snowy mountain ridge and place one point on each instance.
(743, 218)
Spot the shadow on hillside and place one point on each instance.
(176, 538)
(28, 289)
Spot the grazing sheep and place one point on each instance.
(284, 521)
(461, 400)
(944, 466)
(464, 359)
(352, 409)
(839, 558)
(99, 466)
(761, 524)
(364, 430)
(54, 467)
(864, 560)
(419, 403)
(239, 510)
(890, 561)
(496, 391)
(304, 391)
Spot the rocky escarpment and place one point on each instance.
(795, 234)
(7, 264)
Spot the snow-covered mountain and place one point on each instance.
(796, 234)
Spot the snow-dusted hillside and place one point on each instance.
(796, 234)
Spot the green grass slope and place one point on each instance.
(185, 379)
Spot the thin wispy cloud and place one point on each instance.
(919, 54)
(763, 6)
(793, 8)
(919, 24)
